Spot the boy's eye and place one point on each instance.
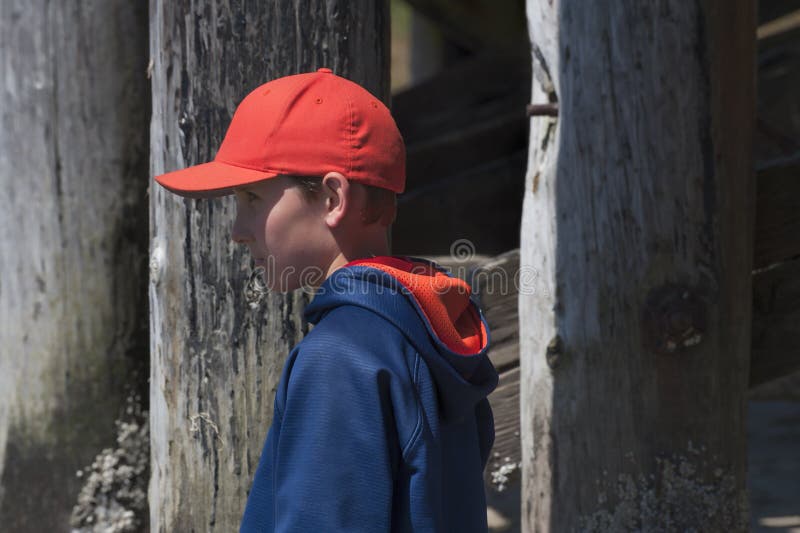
(250, 196)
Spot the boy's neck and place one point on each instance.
(343, 258)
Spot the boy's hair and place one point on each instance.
(379, 200)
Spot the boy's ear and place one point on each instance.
(336, 195)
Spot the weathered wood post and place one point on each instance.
(218, 342)
(73, 247)
(636, 253)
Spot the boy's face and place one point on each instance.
(286, 234)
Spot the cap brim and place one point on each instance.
(210, 180)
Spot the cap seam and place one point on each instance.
(297, 87)
(351, 134)
(238, 165)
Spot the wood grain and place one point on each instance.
(640, 191)
(218, 343)
(73, 248)
(775, 337)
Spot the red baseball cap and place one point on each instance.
(302, 125)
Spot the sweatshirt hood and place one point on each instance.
(432, 308)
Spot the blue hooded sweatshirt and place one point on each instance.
(381, 421)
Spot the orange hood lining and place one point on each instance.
(443, 299)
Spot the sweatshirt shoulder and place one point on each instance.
(353, 329)
(351, 355)
(352, 341)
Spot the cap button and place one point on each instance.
(325, 70)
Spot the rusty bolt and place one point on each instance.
(547, 110)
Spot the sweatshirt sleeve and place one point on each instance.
(337, 453)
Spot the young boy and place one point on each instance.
(381, 421)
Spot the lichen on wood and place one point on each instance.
(676, 498)
(113, 498)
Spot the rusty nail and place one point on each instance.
(547, 110)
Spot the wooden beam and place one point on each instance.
(505, 408)
(73, 259)
(218, 342)
(495, 284)
(777, 215)
(783, 24)
(435, 218)
(466, 148)
(479, 89)
(466, 154)
(769, 10)
(778, 131)
(775, 337)
(478, 24)
(776, 315)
